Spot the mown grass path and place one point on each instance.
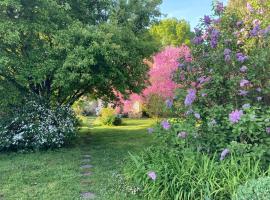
(51, 175)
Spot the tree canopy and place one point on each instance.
(61, 49)
(172, 32)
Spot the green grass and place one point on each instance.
(56, 175)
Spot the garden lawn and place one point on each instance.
(56, 174)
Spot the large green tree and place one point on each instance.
(60, 50)
(172, 32)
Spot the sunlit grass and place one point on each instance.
(55, 174)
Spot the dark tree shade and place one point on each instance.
(62, 49)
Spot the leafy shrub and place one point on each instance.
(185, 174)
(109, 117)
(155, 106)
(37, 126)
(225, 89)
(258, 189)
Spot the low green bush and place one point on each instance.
(186, 175)
(109, 117)
(258, 189)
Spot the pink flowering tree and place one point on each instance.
(161, 77)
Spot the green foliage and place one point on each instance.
(258, 189)
(109, 117)
(185, 174)
(156, 107)
(60, 50)
(172, 32)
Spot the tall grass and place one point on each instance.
(188, 176)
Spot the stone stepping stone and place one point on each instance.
(86, 182)
(88, 195)
(86, 156)
(86, 173)
(87, 160)
(86, 166)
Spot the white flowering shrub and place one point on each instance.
(36, 126)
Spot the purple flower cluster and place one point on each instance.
(268, 130)
(227, 55)
(165, 124)
(152, 175)
(244, 83)
(182, 134)
(219, 9)
(243, 92)
(207, 20)
(224, 153)
(243, 69)
(235, 116)
(190, 98)
(214, 38)
(197, 40)
(250, 8)
(246, 106)
(197, 115)
(258, 89)
(241, 57)
(169, 103)
(255, 31)
(150, 130)
(203, 79)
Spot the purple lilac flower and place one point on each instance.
(268, 130)
(217, 21)
(182, 134)
(259, 98)
(197, 40)
(150, 130)
(165, 124)
(243, 92)
(241, 57)
(227, 56)
(250, 8)
(266, 31)
(244, 83)
(258, 89)
(197, 31)
(256, 22)
(203, 79)
(152, 175)
(207, 20)
(224, 153)
(219, 8)
(255, 31)
(204, 94)
(243, 69)
(197, 115)
(169, 103)
(227, 52)
(190, 98)
(214, 38)
(239, 23)
(246, 106)
(235, 116)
